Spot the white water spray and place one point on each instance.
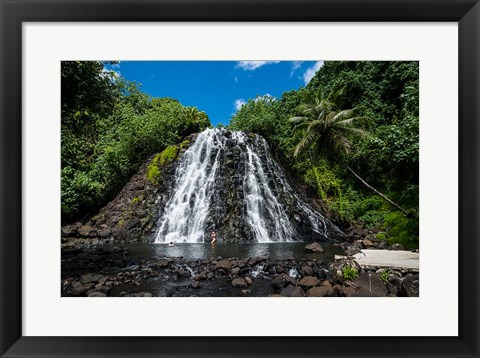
(198, 179)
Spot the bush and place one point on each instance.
(401, 229)
(349, 273)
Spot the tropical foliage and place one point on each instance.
(351, 135)
(109, 127)
(350, 138)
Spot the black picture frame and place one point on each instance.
(15, 12)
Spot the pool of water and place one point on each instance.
(190, 251)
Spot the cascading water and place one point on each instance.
(227, 181)
(186, 211)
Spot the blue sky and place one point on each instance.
(217, 87)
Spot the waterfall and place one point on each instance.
(227, 181)
(186, 211)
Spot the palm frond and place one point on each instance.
(345, 114)
(304, 144)
(297, 120)
(357, 131)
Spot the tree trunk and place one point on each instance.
(377, 192)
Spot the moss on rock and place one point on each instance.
(169, 154)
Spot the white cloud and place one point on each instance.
(295, 66)
(115, 65)
(236, 79)
(239, 103)
(310, 72)
(253, 65)
(114, 75)
(266, 95)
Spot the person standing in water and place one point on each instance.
(213, 236)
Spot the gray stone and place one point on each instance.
(69, 230)
(307, 270)
(78, 290)
(314, 247)
(411, 283)
(104, 231)
(292, 291)
(397, 247)
(87, 231)
(90, 277)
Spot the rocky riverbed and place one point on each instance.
(105, 270)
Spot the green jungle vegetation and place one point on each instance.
(351, 137)
(109, 128)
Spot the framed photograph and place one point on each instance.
(241, 179)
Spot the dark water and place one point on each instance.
(190, 257)
(190, 251)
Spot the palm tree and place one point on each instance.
(327, 130)
(193, 114)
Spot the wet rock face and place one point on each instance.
(229, 183)
(221, 181)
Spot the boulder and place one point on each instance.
(224, 265)
(79, 289)
(282, 281)
(314, 247)
(370, 286)
(103, 288)
(69, 230)
(292, 291)
(347, 291)
(411, 283)
(87, 231)
(352, 250)
(398, 247)
(239, 283)
(368, 243)
(201, 276)
(90, 278)
(162, 264)
(320, 291)
(309, 281)
(396, 282)
(307, 270)
(248, 280)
